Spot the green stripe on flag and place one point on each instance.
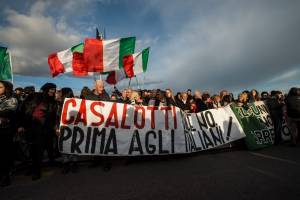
(127, 46)
(5, 65)
(78, 48)
(145, 56)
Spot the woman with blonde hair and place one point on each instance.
(135, 98)
(169, 98)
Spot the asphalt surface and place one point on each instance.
(272, 173)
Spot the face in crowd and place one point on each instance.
(223, 93)
(217, 98)
(184, 96)
(58, 95)
(243, 98)
(113, 97)
(99, 87)
(2, 89)
(128, 93)
(198, 94)
(52, 92)
(18, 92)
(146, 94)
(124, 94)
(168, 93)
(254, 93)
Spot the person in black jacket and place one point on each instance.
(8, 105)
(200, 105)
(184, 103)
(69, 160)
(38, 122)
(85, 91)
(293, 112)
(99, 94)
(275, 106)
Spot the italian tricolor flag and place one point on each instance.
(69, 60)
(106, 55)
(136, 63)
(116, 76)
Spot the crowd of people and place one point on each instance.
(29, 120)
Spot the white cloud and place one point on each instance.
(32, 36)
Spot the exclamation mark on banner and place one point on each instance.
(229, 128)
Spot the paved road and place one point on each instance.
(272, 173)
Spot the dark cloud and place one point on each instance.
(236, 44)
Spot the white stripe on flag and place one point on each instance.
(138, 64)
(68, 67)
(111, 49)
(65, 56)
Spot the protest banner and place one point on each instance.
(257, 124)
(211, 128)
(116, 129)
(107, 128)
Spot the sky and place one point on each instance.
(198, 44)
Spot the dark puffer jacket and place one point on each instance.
(293, 106)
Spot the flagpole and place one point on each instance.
(12, 74)
(99, 37)
(137, 82)
(129, 82)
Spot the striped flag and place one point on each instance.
(136, 63)
(106, 55)
(69, 60)
(116, 76)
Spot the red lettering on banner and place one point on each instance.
(174, 117)
(65, 112)
(166, 108)
(98, 114)
(123, 125)
(113, 114)
(136, 111)
(81, 115)
(152, 119)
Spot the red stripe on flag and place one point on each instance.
(128, 63)
(78, 65)
(111, 78)
(56, 67)
(93, 54)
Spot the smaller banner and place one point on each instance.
(257, 124)
(211, 128)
